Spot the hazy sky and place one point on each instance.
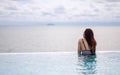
(59, 10)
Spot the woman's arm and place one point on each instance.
(79, 46)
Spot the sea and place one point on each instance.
(18, 39)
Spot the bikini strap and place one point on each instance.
(84, 44)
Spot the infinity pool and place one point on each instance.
(59, 63)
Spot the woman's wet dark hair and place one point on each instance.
(89, 36)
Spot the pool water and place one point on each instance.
(59, 63)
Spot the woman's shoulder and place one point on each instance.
(80, 40)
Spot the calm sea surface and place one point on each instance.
(55, 38)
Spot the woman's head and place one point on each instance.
(89, 36)
(88, 33)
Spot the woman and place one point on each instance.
(87, 45)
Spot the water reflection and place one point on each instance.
(86, 65)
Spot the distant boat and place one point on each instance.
(50, 24)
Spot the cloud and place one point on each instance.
(113, 0)
(57, 10)
(47, 14)
(11, 8)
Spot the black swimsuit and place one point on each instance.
(86, 52)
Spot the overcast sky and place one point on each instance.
(60, 10)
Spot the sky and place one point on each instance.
(37, 11)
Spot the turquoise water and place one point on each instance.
(59, 63)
